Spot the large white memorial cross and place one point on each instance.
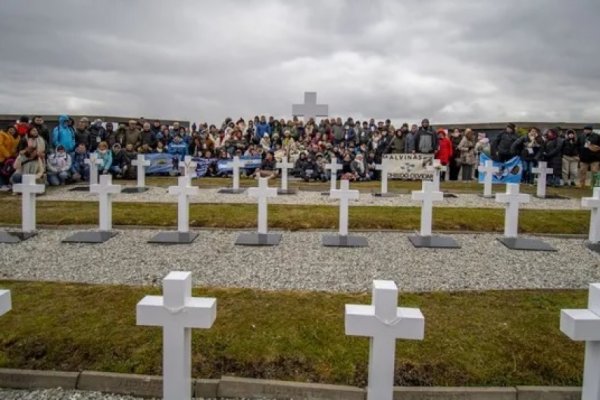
(262, 192)
(310, 108)
(513, 199)
(284, 165)
(593, 203)
(236, 164)
(105, 190)
(183, 190)
(334, 167)
(383, 322)
(29, 189)
(93, 162)
(542, 171)
(141, 165)
(344, 194)
(189, 166)
(436, 168)
(5, 303)
(428, 194)
(584, 325)
(177, 312)
(384, 167)
(488, 170)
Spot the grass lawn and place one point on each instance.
(298, 217)
(472, 338)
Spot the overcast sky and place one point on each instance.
(451, 61)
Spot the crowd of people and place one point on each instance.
(57, 156)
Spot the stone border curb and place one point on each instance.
(151, 386)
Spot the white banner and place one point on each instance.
(410, 166)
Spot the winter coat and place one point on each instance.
(261, 129)
(426, 141)
(8, 146)
(63, 135)
(585, 154)
(117, 137)
(133, 137)
(83, 136)
(409, 142)
(120, 159)
(501, 146)
(58, 162)
(444, 154)
(524, 148)
(26, 166)
(552, 153)
(97, 135)
(398, 144)
(106, 159)
(42, 131)
(569, 148)
(149, 138)
(35, 142)
(466, 150)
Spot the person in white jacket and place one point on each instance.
(58, 166)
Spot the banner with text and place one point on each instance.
(410, 166)
(509, 171)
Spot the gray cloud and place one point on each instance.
(459, 61)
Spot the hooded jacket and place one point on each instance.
(63, 135)
(8, 146)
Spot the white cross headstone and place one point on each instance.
(29, 189)
(189, 166)
(334, 167)
(310, 108)
(488, 170)
(262, 192)
(541, 171)
(428, 194)
(177, 312)
(236, 164)
(105, 190)
(513, 199)
(385, 168)
(344, 194)
(284, 165)
(383, 322)
(93, 162)
(141, 165)
(593, 203)
(5, 303)
(436, 167)
(183, 190)
(584, 325)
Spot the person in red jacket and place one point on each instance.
(444, 153)
(22, 126)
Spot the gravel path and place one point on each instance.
(59, 394)
(300, 262)
(159, 194)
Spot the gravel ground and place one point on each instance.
(300, 262)
(59, 394)
(159, 194)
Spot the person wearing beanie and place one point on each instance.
(588, 150)
(426, 141)
(502, 143)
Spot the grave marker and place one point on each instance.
(384, 167)
(284, 165)
(542, 171)
(488, 171)
(310, 109)
(28, 189)
(342, 239)
(262, 237)
(593, 203)
(140, 163)
(334, 167)
(93, 162)
(236, 164)
(5, 302)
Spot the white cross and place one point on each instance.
(29, 189)
(593, 203)
(428, 194)
(105, 190)
(512, 198)
(93, 162)
(183, 190)
(541, 171)
(334, 167)
(262, 192)
(236, 164)
(344, 194)
(310, 108)
(383, 322)
(141, 165)
(189, 166)
(5, 303)
(385, 165)
(437, 168)
(177, 312)
(488, 175)
(284, 165)
(584, 325)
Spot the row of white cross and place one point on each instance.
(177, 312)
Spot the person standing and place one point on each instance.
(444, 153)
(588, 150)
(502, 143)
(570, 161)
(528, 148)
(467, 159)
(455, 164)
(552, 154)
(426, 141)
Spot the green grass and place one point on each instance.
(298, 217)
(472, 338)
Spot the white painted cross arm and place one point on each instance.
(5, 302)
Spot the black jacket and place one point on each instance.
(552, 154)
(585, 154)
(501, 146)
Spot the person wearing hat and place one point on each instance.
(59, 166)
(588, 150)
(570, 162)
(502, 143)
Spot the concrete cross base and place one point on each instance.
(486, 197)
(258, 239)
(174, 238)
(433, 242)
(15, 237)
(449, 195)
(232, 191)
(388, 194)
(287, 191)
(344, 241)
(552, 197)
(526, 244)
(134, 190)
(79, 189)
(593, 247)
(90, 237)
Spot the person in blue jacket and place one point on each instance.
(261, 128)
(64, 135)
